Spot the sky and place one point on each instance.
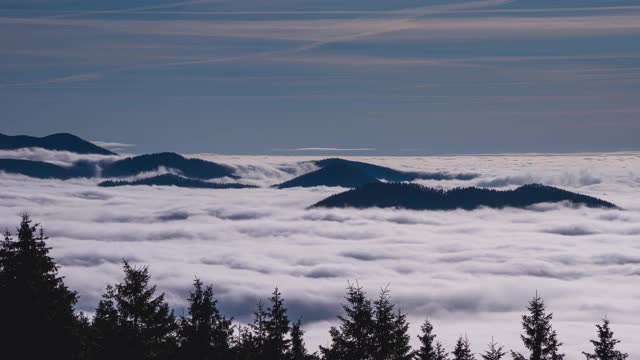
(287, 77)
(471, 272)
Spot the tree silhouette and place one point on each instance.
(390, 335)
(441, 353)
(605, 346)
(352, 340)
(204, 334)
(138, 324)
(427, 350)
(494, 352)
(36, 308)
(277, 328)
(539, 337)
(298, 349)
(462, 351)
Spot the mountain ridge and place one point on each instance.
(55, 142)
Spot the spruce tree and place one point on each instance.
(441, 353)
(204, 333)
(539, 337)
(390, 335)
(259, 330)
(36, 308)
(277, 327)
(462, 350)
(298, 350)
(244, 347)
(427, 350)
(142, 324)
(605, 346)
(494, 352)
(353, 339)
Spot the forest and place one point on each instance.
(133, 320)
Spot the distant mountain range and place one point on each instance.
(58, 142)
(175, 180)
(350, 174)
(45, 170)
(416, 197)
(191, 168)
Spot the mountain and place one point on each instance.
(416, 197)
(192, 168)
(174, 180)
(59, 142)
(45, 170)
(392, 175)
(346, 173)
(332, 175)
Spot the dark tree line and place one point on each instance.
(133, 321)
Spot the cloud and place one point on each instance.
(326, 149)
(464, 269)
(112, 145)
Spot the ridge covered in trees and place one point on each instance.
(56, 142)
(352, 174)
(417, 197)
(134, 321)
(175, 180)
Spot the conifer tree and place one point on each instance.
(277, 327)
(494, 352)
(427, 350)
(441, 353)
(298, 350)
(605, 346)
(143, 326)
(259, 330)
(462, 350)
(390, 335)
(244, 347)
(205, 333)
(353, 339)
(539, 337)
(36, 308)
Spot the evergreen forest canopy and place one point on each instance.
(134, 321)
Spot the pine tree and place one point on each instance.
(277, 327)
(298, 350)
(604, 347)
(441, 353)
(427, 350)
(495, 352)
(205, 333)
(553, 347)
(36, 308)
(462, 350)
(257, 334)
(142, 324)
(390, 336)
(353, 339)
(539, 337)
(244, 347)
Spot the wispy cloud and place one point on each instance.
(326, 149)
(112, 145)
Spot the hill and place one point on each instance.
(45, 170)
(416, 197)
(332, 175)
(192, 168)
(351, 174)
(174, 180)
(57, 142)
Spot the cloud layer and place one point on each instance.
(472, 272)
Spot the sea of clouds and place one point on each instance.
(471, 272)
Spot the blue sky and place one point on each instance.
(402, 77)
